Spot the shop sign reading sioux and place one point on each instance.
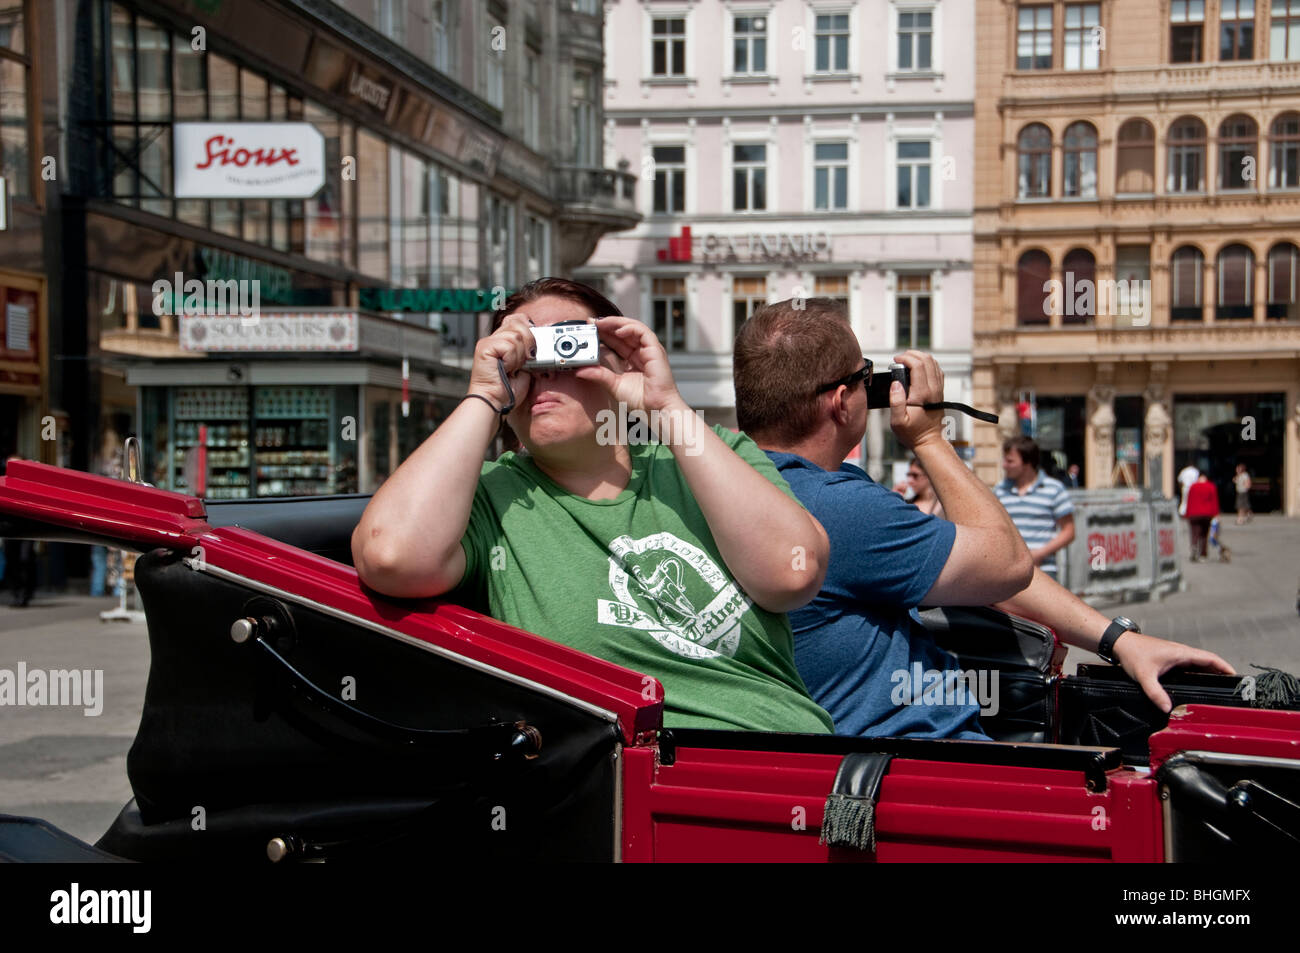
(248, 160)
(270, 332)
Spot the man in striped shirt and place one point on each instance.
(1038, 504)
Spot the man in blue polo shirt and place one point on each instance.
(1039, 505)
(801, 395)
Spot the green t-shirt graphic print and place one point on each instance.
(637, 580)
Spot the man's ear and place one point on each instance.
(838, 410)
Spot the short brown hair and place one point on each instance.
(548, 288)
(555, 288)
(1026, 447)
(783, 353)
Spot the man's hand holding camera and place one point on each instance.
(908, 418)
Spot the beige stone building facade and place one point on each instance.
(1137, 238)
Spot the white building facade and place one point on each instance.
(786, 148)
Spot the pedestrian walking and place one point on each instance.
(1242, 482)
(1187, 476)
(1202, 508)
(1216, 541)
(1038, 504)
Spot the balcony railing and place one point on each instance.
(1244, 76)
(611, 189)
(1277, 339)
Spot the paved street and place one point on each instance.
(1244, 609)
(70, 768)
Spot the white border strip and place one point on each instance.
(402, 637)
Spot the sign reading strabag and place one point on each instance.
(248, 160)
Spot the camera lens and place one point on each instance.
(566, 346)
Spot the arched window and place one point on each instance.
(1035, 152)
(1283, 293)
(1186, 155)
(1079, 302)
(1186, 269)
(1284, 157)
(1238, 152)
(1080, 157)
(1236, 279)
(1135, 160)
(1033, 274)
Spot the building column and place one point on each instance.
(876, 421)
(1008, 419)
(1209, 290)
(1291, 455)
(1158, 431)
(1158, 308)
(1261, 287)
(1099, 439)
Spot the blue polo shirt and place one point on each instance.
(858, 646)
(1035, 514)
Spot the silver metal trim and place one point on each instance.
(1213, 757)
(133, 461)
(615, 757)
(408, 639)
(1167, 816)
(1224, 757)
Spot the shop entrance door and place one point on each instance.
(1215, 432)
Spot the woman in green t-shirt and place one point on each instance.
(677, 558)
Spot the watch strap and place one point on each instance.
(1106, 647)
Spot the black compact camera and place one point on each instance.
(878, 394)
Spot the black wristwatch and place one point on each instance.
(1118, 626)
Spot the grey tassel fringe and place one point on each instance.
(849, 822)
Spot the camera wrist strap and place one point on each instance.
(966, 409)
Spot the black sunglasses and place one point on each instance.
(863, 373)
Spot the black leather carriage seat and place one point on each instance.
(318, 524)
(33, 841)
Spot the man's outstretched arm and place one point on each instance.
(1143, 657)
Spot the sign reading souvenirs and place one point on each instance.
(753, 246)
(248, 160)
(423, 300)
(270, 332)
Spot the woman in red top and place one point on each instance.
(1202, 507)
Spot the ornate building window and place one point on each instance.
(1033, 274)
(1135, 160)
(1079, 272)
(1186, 156)
(1034, 150)
(1284, 157)
(1283, 293)
(1185, 284)
(1080, 158)
(1238, 148)
(1236, 278)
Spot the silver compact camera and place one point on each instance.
(564, 346)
